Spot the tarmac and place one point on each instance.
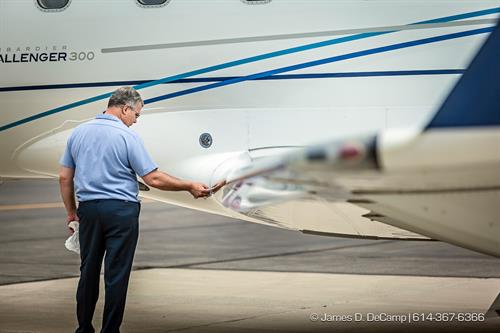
(197, 272)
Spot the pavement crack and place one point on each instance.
(230, 321)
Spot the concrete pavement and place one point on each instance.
(171, 300)
(197, 272)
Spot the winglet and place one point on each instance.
(475, 99)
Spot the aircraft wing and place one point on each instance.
(440, 182)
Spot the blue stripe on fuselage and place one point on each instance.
(224, 78)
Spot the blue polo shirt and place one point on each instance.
(106, 156)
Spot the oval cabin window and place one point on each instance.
(53, 4)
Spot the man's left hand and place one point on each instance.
(71, 217)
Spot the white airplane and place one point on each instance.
(327, 117)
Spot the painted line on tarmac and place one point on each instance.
(32, 206)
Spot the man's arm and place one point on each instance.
(67, 189)
(163, 181)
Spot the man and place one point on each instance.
(102, 157)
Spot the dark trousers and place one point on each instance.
(111, 227)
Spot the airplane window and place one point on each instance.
(152, 2)
(53, 4)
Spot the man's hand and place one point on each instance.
(71, 217)
(217, 187)
(199, 190)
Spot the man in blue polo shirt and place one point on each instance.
(100, 162)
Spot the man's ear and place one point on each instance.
(124, 112)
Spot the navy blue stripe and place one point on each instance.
(363, 74)
(322, 62)
(224, 78)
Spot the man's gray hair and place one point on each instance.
(125, 96)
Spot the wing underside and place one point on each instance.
(439, 184)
